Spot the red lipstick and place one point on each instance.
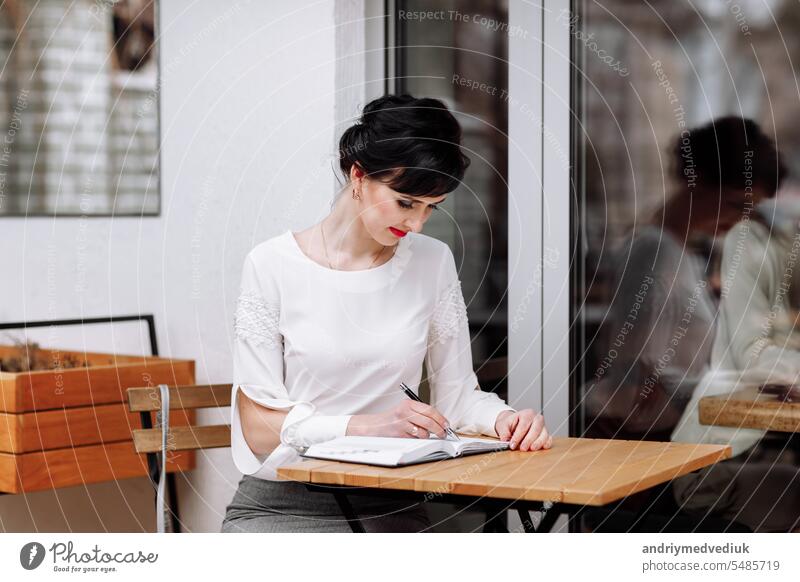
(398, 233)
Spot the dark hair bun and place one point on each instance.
(413, 145)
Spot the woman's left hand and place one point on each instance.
(525, 429)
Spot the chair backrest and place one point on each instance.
(181, 438)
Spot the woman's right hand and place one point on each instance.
(408, 419)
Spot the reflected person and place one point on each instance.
(755, 343)
(662, 315)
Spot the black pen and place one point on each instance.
(413, 396)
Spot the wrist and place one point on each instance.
(357, 425)
(313, 429)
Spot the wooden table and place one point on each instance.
(574, 472)
(750, 409)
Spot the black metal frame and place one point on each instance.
(495, 508)
(154, 468)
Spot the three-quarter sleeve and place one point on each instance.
(454, 386)
(258, 370)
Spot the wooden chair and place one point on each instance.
(157, 442)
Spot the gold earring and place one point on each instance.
(356, 196)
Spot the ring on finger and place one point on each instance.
(414, 430)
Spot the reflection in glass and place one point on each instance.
(685, 147)
(457, 58)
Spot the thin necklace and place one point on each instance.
(325, 246)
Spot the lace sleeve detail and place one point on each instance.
(449, 315)
(256, 320)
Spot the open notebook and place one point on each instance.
(396, 452)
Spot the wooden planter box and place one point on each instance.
(71, 426)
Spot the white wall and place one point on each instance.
(247, 127)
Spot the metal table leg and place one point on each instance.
(527, 521)
(496, 523)
(349, 514)
(495, 509)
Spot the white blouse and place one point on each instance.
(330, 344)
(757, 340)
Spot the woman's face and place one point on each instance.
(387, 215)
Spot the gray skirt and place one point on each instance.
(261, 506)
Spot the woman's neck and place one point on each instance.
(346, 238)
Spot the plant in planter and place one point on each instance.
(28, 356)
(64, 419)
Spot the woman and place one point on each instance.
(331, 319)
(756, 338)
(664, 308)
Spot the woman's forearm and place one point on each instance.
(361, 425)
(261, 426)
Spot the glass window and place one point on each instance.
(685, 146)
(451, 51)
